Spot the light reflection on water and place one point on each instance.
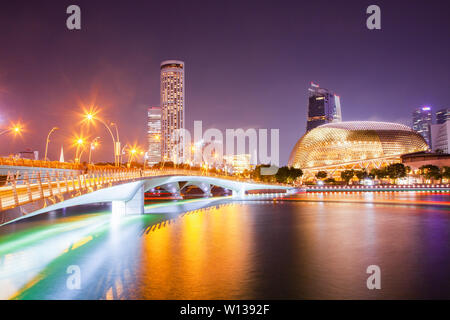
(240, 250)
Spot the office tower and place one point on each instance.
(440, 134)
(172, 108)
(154, 135)
(323, 107)
(422, 120)
(442, 115)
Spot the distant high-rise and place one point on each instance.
(442, 115)
(323, 107)
(422, 120)
(440, 136)
(154, 135)
(172, 108)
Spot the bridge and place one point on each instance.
(30, 191)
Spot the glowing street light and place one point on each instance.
(94, 144)
(79, 142)
(90, 117)
(16, 129)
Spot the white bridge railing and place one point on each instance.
(24, 187)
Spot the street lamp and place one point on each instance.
(131, 154)
(79, 142)
(90, 116)
(94, 144)
(122, 152)
(48, 139)
(16, 129)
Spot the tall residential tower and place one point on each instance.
(323, 107)
(154, 135)
(172, 109)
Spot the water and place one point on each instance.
(236, 250)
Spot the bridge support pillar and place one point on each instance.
(239, 194)
(132, 206)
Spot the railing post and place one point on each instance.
(58, 184)
(41, 190)
(87, 180)
(73, 181)
(49, 184)
(65, 181)
(14, 189)
(27, 181)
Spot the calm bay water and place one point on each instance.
(235, 250)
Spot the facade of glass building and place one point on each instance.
(366, 143)
(323, 107)
(422, 120)
(154, 135)
(440, 136)
(172, 97)
(442, 115)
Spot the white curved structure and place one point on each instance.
(128, 198)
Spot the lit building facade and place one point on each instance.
(442, 115)
(440, 134)
(154, 135)
(237, 163)
(422, 120)
(340, 146)
(323, 107)
(172, 97)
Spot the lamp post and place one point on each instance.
(131, 154)
(16, 129)
(79, 142)
(94, 143)
(91, 117)
(117, 144)
(122, 152)
(48, 139)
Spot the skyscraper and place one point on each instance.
(154, 135)
(442, 115)
(172, 108)
(323, 107)
(422, 120)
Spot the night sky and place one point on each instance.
(248, 64)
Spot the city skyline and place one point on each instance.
(117, 77)
(225, 156)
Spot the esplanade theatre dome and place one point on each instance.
(341, 143)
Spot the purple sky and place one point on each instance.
(248, 63)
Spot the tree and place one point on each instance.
(256, 174)
(396, 170)
(379, 173)
(347, 175)
(321, 175)
(361, 174)
(446, 172)
(295, 173)
(287, 174)
(430, 172)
